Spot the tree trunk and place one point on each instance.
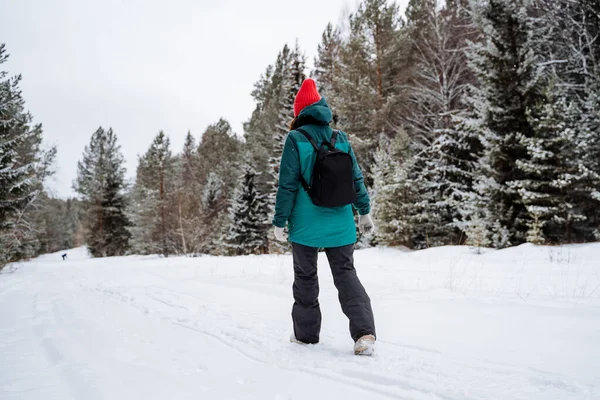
(163, 227)
(379, 56)
(99, 221)
(181, 225)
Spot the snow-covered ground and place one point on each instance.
(522, 323)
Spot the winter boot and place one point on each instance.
(294, 340)
(365, 346)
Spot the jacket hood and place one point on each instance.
(318, 111)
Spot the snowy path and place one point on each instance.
(522, 323)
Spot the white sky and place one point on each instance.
(140, 66)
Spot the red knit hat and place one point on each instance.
(307, 95)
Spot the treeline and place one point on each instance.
(215, 197)
(498, 139)
(475, 122)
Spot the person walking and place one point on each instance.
(320, 182)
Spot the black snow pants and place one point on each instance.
(354, 300)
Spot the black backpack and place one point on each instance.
(332, 183)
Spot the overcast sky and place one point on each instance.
(140, 66)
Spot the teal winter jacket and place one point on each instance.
(308, 224)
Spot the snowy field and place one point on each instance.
(522, 323)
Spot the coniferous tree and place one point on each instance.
(268, 127)
(393, 194)
(218, 151)
(327, 63)
(551, 174)
(188, 162)
(247, 229)
(258, 132)
(437, 102)
(287, 79)
(23, 168)
(14, 190)
(142, 214)
(215, 220)
(371, 80)
(101, 183)
(154, 219)
(574, 56)
(509, 87)
(218, 158)
(588, 26)
(418, 14)
(587, 190)
(258, 127)
(188, 195)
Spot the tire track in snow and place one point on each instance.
(47, 328)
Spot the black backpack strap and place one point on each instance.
(305, 184)
(310, 139)
(334, 136)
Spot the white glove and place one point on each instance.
(280, 235)
(365, 224)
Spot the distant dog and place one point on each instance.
(64, 256)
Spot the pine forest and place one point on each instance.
(475, 123)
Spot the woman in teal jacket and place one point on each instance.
(312, 227)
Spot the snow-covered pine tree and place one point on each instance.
(160, 166)
(575, 56)
(535, 233)
(571, 58)
(248, 213)
(429, 37)
(459, 149)
(23, 168)
(282, 107)
(370, 81)
(188, 160)
(214, 218)
(101, 182)
(14, 179)
(393, 194)
(154, 218)
(30, 222)
(219, 151)
(287, 78)
(440, 165)
(141, 213)
(418, 19)
(550, 170)
(587, 192)
(218, 161)
(327, 63)
(262, 133)
(505, 64)
(257, 129)
(477, 233)
(188, 207)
